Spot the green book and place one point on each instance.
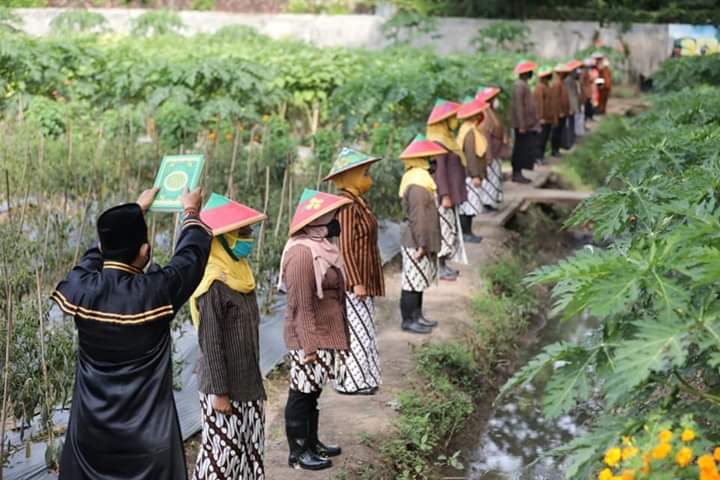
(176, 173)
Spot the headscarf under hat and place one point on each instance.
(440, 132)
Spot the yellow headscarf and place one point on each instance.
(354, 180)
(480, 140)
(440, 132)
(236, 274)
(417, 173)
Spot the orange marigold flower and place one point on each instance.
(688, 435)
(606, 474)
(684, 457)
(665, 436)
(628, 475)
(661, 451)
(613, 456)
(629, 452)
(716, 453)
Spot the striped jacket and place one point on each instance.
(359, 246)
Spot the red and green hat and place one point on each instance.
(223, 215)
(524, 66)
(487, 93)
(545, 72)
(313, 205)
(421, 147)
(574, 64)
(471, 107)
(562, 68)
(348, 159)
(442, 110)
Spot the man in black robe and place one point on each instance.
(123, 422)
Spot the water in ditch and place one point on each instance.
(517, 434)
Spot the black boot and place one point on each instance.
(409, 302)
(300, 455)
(466, 225)
(445, 272)
(297, 427)
(318, 447)
(421, 317)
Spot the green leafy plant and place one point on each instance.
(506, 36)
(82, 21)
(158, 22)
(654, 287)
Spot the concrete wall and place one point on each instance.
(650, 44)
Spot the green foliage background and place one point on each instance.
(654, 286)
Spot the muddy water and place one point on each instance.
(512, 442)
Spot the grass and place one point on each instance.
(454, 375)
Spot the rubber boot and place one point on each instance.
(297, 429)
(421, 317)
(466, 225)
(445, 272)
(409, 302)
(318, 447)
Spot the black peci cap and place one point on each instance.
(122, 230)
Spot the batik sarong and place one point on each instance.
(359, 367)
(492, 187)
(311, 377)
(451, 244)
(417, 275)
(232, 445)
(473, 205)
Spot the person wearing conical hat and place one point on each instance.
(224, 311)
(525, 122)
(576, 67)
(313, 276)
(475, 147)
(604, 87)
(358, 369)
(547, 109)
(587, 87)
(498, 148)
(420, 238)
(449, 177)
(562, 99)
(571, 86)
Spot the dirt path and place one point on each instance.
(353, 422)
(350, 421)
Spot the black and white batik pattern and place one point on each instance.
(417, 275)
(492, 187)
(473, 205)
(359, 367)
(451, 244)
(232, 445)
(311, 377)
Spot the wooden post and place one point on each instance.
(176, 218)
(261, 234)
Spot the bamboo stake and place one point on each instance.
(261, 235)
(278, 220)
(6, 373)
(48, 403)
(7, 194)
(176, 217)
(236, 145)
(82, 232)
(153, 226)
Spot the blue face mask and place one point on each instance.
(243, 247)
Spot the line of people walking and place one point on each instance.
(123, 422)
